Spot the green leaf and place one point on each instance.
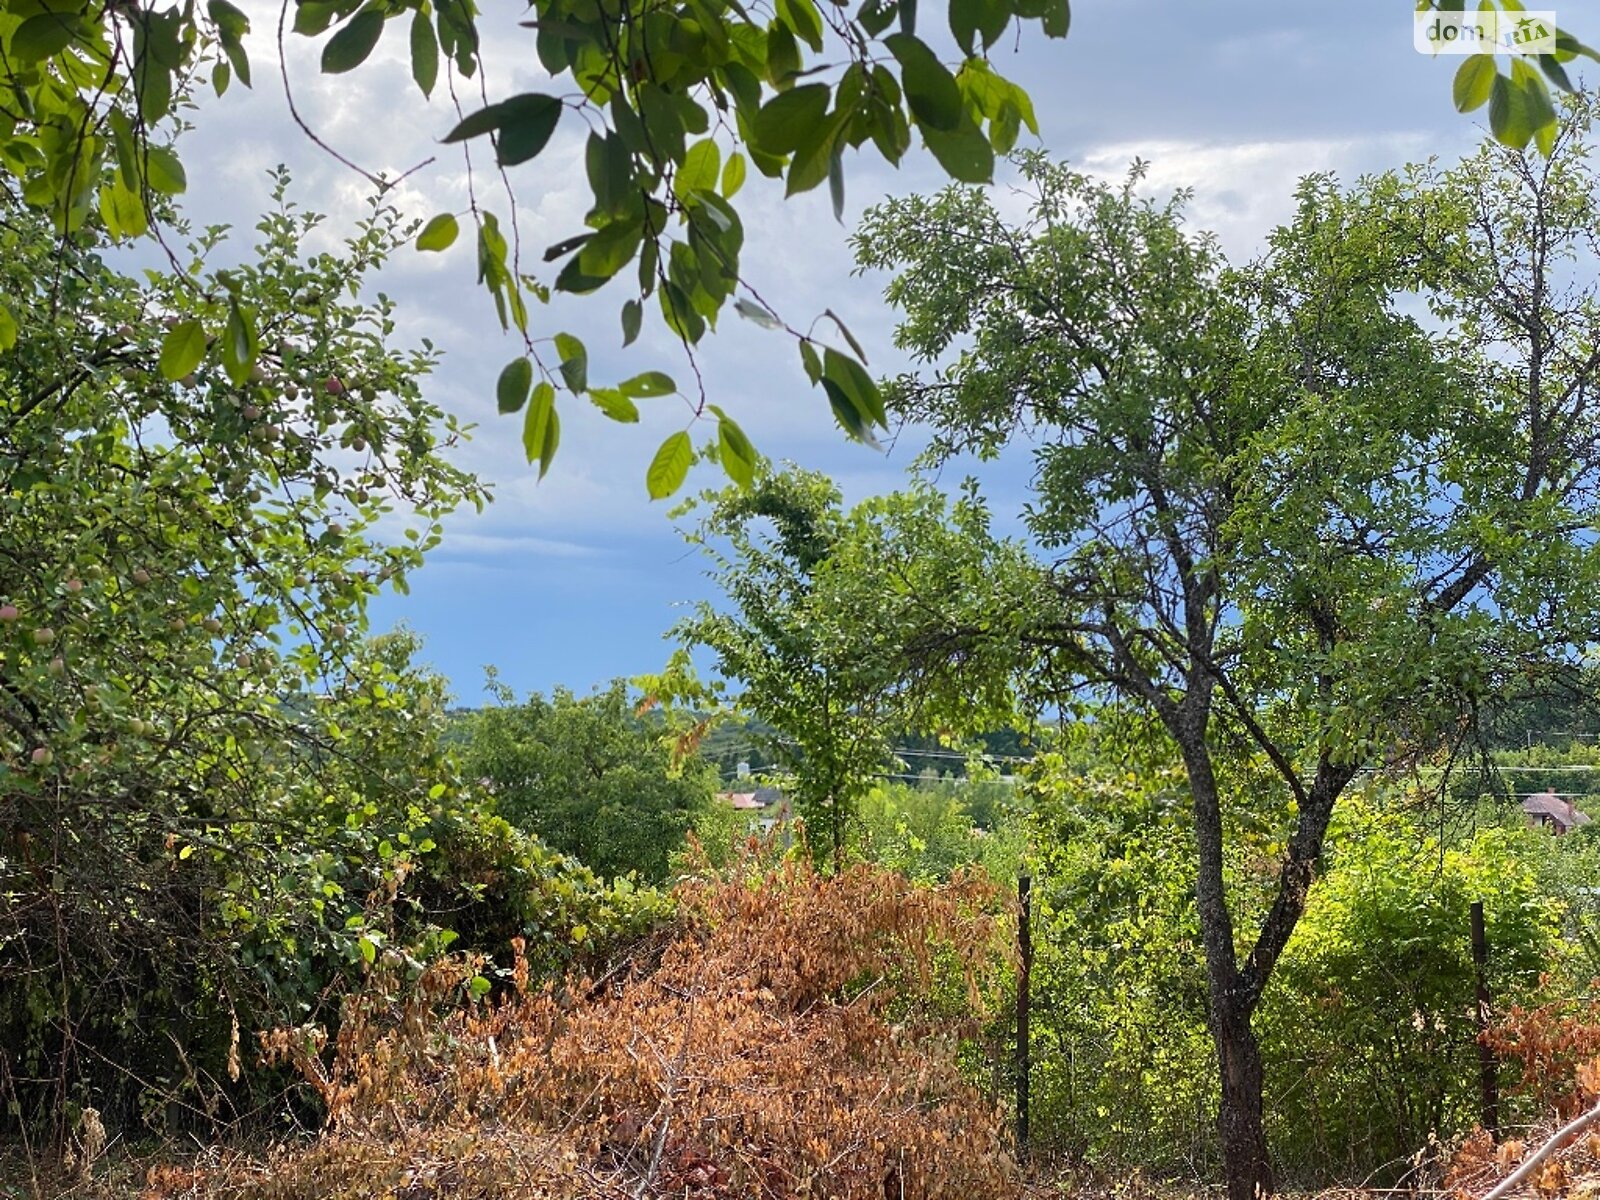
(424, 53)
(122, 210)
(8, 329)
(1556, 73)
(733, 175)
(852, 379)
(42, 36)
(613, 248)
(1057, 18)
(965, 154)
(977, 24)
(1474, 81)
(348, 48)
(516, 380)
(182, 350)
(164, 172)
(632, 318)
(369, 949)
(783, 121)
(479, 986)
(312, 17)
(153, 85)
(670, 466)
(1544, 137)
(615, 405)
(783, 55)
(609, 165)
(811, 360)
(699, 169)
(801, 16)
(813, 158)
(239, 343)
(851, 419)
(651, 383)
(1520, 108)
(440, 233)
(232, 25)
(574, 366)
(485, 120)
(541, 428)
(737, 454)
(526, 123)
(930, 89)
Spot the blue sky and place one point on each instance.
(573, 581)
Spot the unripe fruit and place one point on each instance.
(291, 392)
(362, 496)
(171, 322)
(44, 635)
(358, 444)
(212, 625)
(258, 374)
(245, 659)
(74, 586)
(125, 332)
(272, 433)
(8, 612)
(141, 576)
(369, 393)
(58, 665)
(130, 373)
(251, 412)
(338, 631)
(301, 581)
(42, 756)
(336, 529)
(188, 380)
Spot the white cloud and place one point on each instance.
(1245, 189)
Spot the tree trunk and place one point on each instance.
(1233, 1001)
(1239, 1124)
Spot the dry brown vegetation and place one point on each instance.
(789, 1035)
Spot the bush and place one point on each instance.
(927, 830)
(1368, 1031)
(1125, 1071)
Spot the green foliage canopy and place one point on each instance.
(809, 641)
(680, 101)
(590, 778)
(196, 749)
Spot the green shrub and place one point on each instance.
(1368, 1030)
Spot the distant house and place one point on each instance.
(1557, 813)
(767, 805)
